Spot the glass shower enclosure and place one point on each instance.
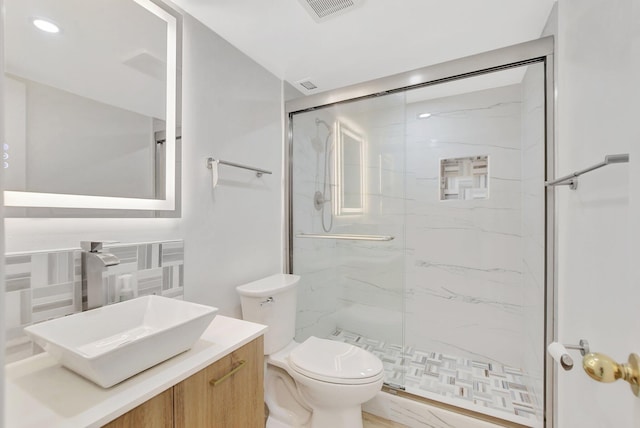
(418, 225)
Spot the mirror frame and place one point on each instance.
(61, 200)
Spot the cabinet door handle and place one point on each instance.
(215, 382)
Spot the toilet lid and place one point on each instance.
(335, 362)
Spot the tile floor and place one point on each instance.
(478, 383)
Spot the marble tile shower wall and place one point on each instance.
(371, 274)
(352, 284)
(44, 285)
(464, 257)
(313, 259)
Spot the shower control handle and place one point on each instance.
(319, 200)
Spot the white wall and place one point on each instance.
(598, 276)
(232, 111)
(2, 245)
(634, 180)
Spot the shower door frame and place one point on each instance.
(532, 52)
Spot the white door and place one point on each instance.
(599, 223)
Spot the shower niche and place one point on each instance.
(464, 178)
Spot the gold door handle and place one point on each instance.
(216, 382)
(604, 369)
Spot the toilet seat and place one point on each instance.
(335, 362)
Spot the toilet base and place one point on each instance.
(323, 418)
(274, 423)
(286, 408)
(298, 401)
(351, 418)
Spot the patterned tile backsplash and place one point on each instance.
(44, 285)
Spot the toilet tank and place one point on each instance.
(272, 301)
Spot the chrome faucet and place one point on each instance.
(94, 264)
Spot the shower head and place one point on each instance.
(320, 121)
(316, 142)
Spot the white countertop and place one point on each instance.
(41, 393)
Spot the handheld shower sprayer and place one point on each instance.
(323, 197)
(316, 142)
(320, 121)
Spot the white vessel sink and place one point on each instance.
(110, 344)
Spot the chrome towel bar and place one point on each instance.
(346, 237)
(570, 180)
(258, 171)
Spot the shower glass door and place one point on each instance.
(348, 204)
(475, 221)
(418, 228)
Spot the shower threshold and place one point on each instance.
(489, 388)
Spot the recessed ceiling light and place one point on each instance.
(424, 115)
(45, 25)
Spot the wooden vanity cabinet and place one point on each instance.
(156, 412)
(228, 393)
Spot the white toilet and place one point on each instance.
(318, 383)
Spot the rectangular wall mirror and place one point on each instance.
(350, 171)
(91, 104)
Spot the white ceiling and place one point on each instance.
(376, 39)
(88, 57)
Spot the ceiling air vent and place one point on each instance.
(307, 84)
(321, 10)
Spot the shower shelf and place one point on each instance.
(346, 237)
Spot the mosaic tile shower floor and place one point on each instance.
(489, 385)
